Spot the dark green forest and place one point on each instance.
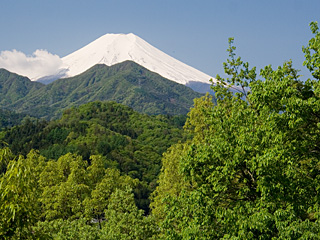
(10, 119)
(245, 165)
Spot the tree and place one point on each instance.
(5, 157)
(255, 164)
(312, 52)
(65, 187)
(171, 181)
(66, 229)
(124, 220)
(20, 192)
(98, 201)
(96, 171)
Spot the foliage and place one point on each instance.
(252, 168)
(129, 141)
(19, 187)
(66, 230)
(65, 187)
(67, 199)
(312, 52)
(10, 119)
(171, 181)
(102, 192)
(22, 138)
(124, 220)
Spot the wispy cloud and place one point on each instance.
(41, 63)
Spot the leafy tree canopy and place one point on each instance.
(252, 169)
(67, 199)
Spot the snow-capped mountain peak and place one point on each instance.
(111, 49)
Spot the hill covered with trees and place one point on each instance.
(127, 83)
(129, 141)
(10, 119)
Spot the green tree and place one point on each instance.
(5, 157)
(96, 171)
(20, 193)
(100, 195)
(65, 187)
(66, 230)
(312, 52)
(254, 165)
(124, 220)
(171, 181)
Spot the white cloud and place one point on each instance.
(40, 64)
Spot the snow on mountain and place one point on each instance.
(115, 48)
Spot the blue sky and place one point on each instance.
(194, 32)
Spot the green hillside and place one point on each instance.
(127, 83)
(10, 119)
(14, 87)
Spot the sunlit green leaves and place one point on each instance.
(19, 195)
(312, 52)
(253, 162)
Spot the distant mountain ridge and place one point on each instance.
(127, 83)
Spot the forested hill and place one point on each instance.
(10, 119)
(127, 83)
(130, 141)
(14, 87)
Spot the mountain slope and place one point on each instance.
(9, 119)
(127, 83)
(14, 87)
(111, 49)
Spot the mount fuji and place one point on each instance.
(111, 49)
(115, 67)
